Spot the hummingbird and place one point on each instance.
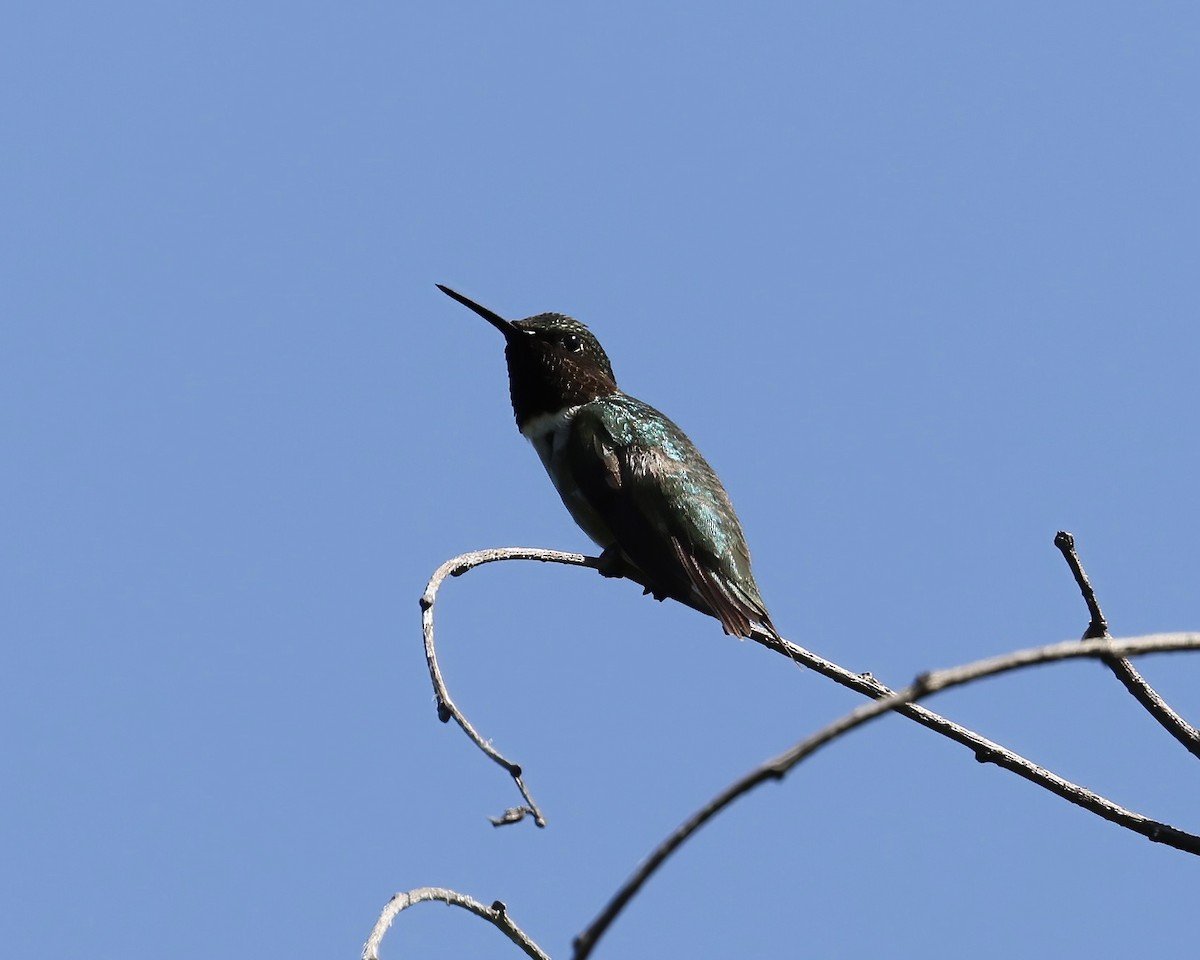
(630, 478)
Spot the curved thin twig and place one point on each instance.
(496, 915)
(1125, 671)
(446, 707)
(925, 685)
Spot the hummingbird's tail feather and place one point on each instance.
(736, 608)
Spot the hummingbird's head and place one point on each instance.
(554, 361)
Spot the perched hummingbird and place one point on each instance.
(631, 479)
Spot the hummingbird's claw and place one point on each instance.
(612, 564)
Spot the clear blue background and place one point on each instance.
(921, 281)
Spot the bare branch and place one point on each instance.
(496, 915)
(985, 750)
(925, 685)
(1125, 671)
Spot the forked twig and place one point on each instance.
(1125, 671)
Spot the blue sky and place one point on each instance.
(921, 282)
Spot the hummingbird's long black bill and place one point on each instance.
(494, 319)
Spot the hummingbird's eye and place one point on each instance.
(572, 342)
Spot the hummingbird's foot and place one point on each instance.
(612, 564)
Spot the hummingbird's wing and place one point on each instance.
(666, 507)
